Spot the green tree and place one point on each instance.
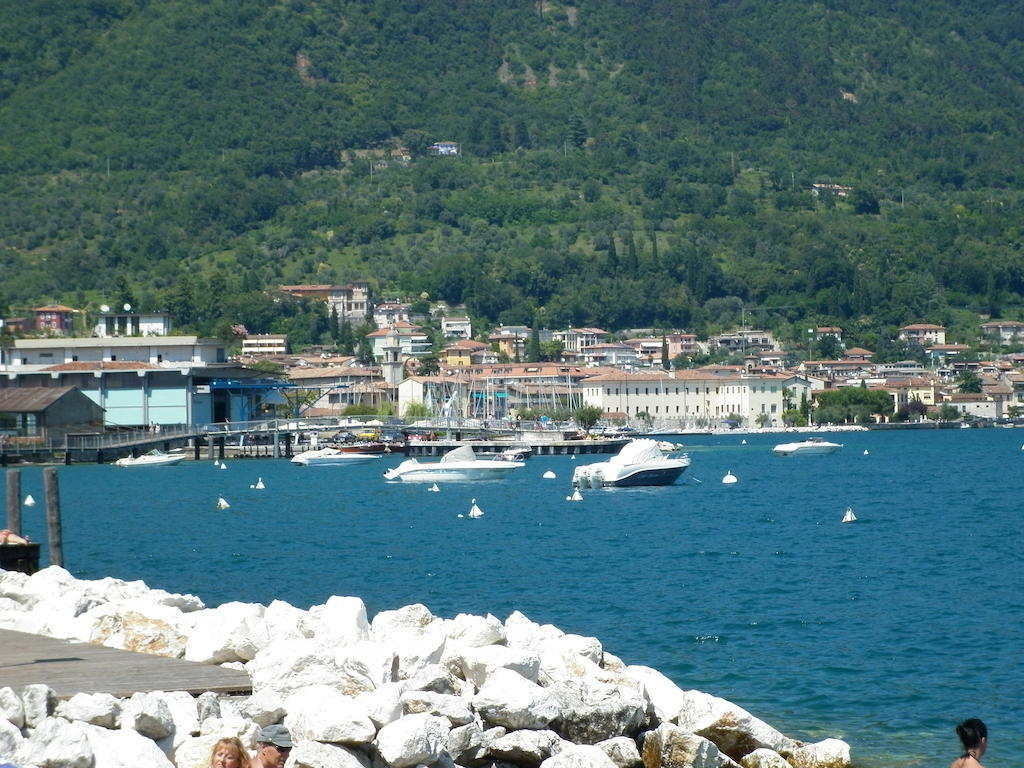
(968, 381)
(587, 416)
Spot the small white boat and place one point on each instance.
(810, 446)
(458, 465)
(515, 454)
(639, 462)
(155, 458)
(324, 457)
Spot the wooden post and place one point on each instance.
(53, 526)
(14, 501)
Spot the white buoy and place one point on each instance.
(848, 516)
(475, 511)
(576, 496)
(29, 501)
(573, 457)
(222, 503)
(435, 489)
(223, 465)
(549, 475)
(259, 484)
(743, 442)
(729, 478)
(865, 451)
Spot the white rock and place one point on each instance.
(466, 744)
(401, 624)
(135, 626)
(364, 666)
(185, 716)
(580, 756)
(588, 647)
(229, 632)
(100, 709)
(232, 725)
(320, 713)
(208, 705)
(11, 708)
(478, 664)
(417, 650)
(312, 754)
(384, 703)
(455, 708)
(38, 701)
(525, 747)
(437, 678)
(147, 713)
(288, 667)
(591, 711)
(667, 698)
(764, 758)
(468, 631)
(10, 739)
(510, 700)
(341, 620)
(732, 728)
(829, 753)
(669, 745)
(285, 622)
(124, 749)
(412, 740)
(265, 707)
(622, 751)
(57, 743)
(520, 632)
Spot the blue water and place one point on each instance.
(885, 632)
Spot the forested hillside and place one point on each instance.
(623, 164)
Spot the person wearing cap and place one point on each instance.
(273, 746)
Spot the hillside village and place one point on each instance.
(132, 371)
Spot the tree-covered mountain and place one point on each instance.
(623, 164)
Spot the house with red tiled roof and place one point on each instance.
(410, 340)
(925, 334)
(55, 319)
(1004, 331)
(466, 352)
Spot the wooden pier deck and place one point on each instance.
(70, 668)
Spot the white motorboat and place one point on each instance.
(325, 457)
(640, 462)
(154, 458)
(810, 446)
(458, 465)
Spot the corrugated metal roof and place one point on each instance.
(31, 399)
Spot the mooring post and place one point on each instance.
(53, 526)
(14, 501)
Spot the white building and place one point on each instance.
(265, 344)
(112, 324)
(456, 328)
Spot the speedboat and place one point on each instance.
(458, 465)
(323, 457)
(640, 462)
(154, 458)
(514, 454)
(810, 446)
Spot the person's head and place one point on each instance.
(275, 743)
(973, 735)
(229, 753)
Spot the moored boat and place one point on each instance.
(458, 465)
(154, 458)
(640, 462)
(321, 457)
(809, 447)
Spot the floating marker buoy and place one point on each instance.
(475, 511)
(848, 516)
(223, 465)
(259, 485)
(460, 515)
(729, 478)
(549, 475)
(29, 501)
(435, 489)
(222, 503)
(743, 442)
(573, 457)
(865, 451)
(576, 496)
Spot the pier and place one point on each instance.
(419, 448)
(70, 668)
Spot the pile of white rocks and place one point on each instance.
(405, 689)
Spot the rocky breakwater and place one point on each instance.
(405, 689)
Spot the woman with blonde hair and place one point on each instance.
(229, 753)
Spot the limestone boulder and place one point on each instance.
(148, 713)
(100, 709)
(284, 622)
(478, 664)
(340, 621)
(622, 751)
(669, 746)
(365, 665)
(230, 632)
(468, 631)
(320, 713)
(735, 731)
(590, 711)
(829, 753)
(38, 702)
(124, 749)
(510, 700)
(57, 743)
(666, 698)
(135, 626)
(521, 632)
(579, 756)
(383, 704)
(265, 707)
(10, 740)
(437, 678)
(455, 708)
(285, 668)
(12, 710)
(413, 740)
(312, 754)
(526, 748)
(764, 758)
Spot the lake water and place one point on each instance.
(885, 632)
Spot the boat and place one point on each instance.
(154, 458)
(459, 465)
(514, 454)
(810, 446)
(323, 457)
(639, 462)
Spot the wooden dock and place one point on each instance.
(70, 668)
